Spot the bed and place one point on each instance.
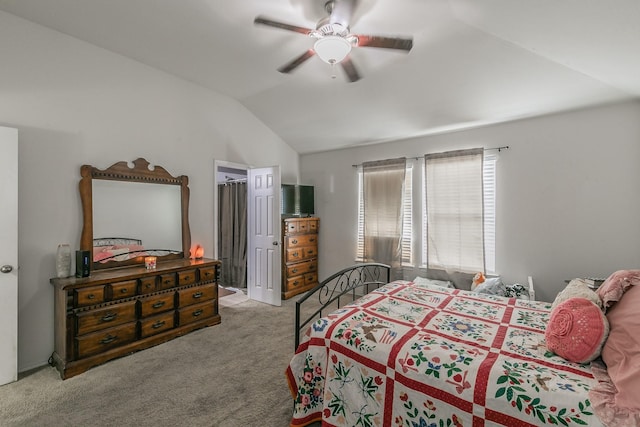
(107, 249)
(419, 354)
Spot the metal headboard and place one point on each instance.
(339, 287)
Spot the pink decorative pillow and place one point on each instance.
(621, 352)
(577, 330)
(616, 285)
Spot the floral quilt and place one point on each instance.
(420, 355)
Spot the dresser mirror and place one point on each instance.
(131, 212)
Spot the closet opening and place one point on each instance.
(231, 225)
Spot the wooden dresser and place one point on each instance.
(299, 255)
(117, 311)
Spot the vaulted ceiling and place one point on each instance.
(473, 62)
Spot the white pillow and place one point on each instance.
(491, 286)
(577, 288)
(442, 283)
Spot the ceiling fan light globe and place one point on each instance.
(332, 49)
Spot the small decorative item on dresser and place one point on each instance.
(63, 261)
(150, 262)
(198, 252)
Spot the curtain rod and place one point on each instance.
(499, 149)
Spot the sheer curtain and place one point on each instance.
(383, 184)
(455, 210)
(232, 234)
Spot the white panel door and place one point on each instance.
(8, 255)
(263, 216)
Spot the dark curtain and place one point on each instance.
(232, 233)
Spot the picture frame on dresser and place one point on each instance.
(123, 306)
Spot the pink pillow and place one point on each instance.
(621, 352)
(576, 330)
(615, 286)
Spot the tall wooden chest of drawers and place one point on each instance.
(117, 311)
(299, 255)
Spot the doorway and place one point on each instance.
(260, 268)
(231, 221)
(9, 255)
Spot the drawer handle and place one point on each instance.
(158, 304)
(197, 295)
(124, 290)
(310, 252)
(108, 339)
(294, 241)
(168, 282)
(109, 317)
(312, 240)
(312, 267)
(197, 313)
(187, 278)
(91, 296)
(295, 254)
(158, 324)
(296, 283)
(295, 270)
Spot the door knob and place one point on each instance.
(6, 269)
(275, 243)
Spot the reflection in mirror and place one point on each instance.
(132, 219)
(131, 211)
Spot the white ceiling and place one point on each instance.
(473, 62)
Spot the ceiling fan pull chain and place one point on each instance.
(333, 70)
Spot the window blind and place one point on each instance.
(455, 205)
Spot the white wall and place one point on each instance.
(568, 194)
(75, 104)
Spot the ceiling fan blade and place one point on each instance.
(342, 12)
(289, 67)
(350, 70)
(271, 23)
(385, 42)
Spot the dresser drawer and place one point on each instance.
(300, 254)
(196, 312)
(156, 304)
(291, 227)
(148, 284)
(294, 283)
(303, 226)
(106, 339)
(301, 240)
(186, 277)
(196, 294)
(310, 278)
(302, 268)
(314, 225)
(117, 314)
(167, 281)
(207, 274)
(88, 296)
(123, 289)
(156, 324)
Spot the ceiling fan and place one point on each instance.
(334, 40)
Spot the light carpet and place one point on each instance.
(237, 297)
(226, 375)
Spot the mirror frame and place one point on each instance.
(140, 172)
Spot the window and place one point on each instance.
(454, 210)
(407, 217)
(414, 253)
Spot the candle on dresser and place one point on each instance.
(150, 262)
